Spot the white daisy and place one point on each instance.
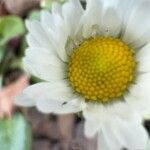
(95, 60)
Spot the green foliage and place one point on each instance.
(15, 134)
(10, 27)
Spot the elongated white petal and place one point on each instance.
(91, 128)
(91, 17)
(122, 8)
(144, 65)
(96, 112)
(143, 53)
(111, 23)
(138, 26)
(138, 95)
(42, 56)
(72, 12)
(51, 98)
(54, 97)
(57, 32)
(24, 100)
(120, 134)
(38, 33)
(46, 19)
(102, 113)
(110, 3)
(33, 91)
(32, 42)
(56, 8)
(45, 37)
(121, 109)
(108, 140)
(61, 107)
(143, 58)
(45, 72)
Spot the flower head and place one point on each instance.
(94, 60)
(101, 69)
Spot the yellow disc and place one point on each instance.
(101, 69)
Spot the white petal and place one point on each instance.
(121, 109)
(144, 65)
(110, 3)
(111, 23)
(91, 127)
(138, 95)
(142, 78)
(52, 25)
(56, 97)
(107, 139)
(56, 8)
(136, 104)
(34, 91)
(122, 8)
(72, 12)
(38, 33)
(119, 7)
(57, 32)
(143, 58)
(120, 134)
(131, 131)
(138, 26)
(102, 142)
(143, 53)
(96, 112)
(46, 18)
(148, 146)
(24, 100)
(142, 87)
(91, 17)
(44, 38)
(61, 107)
(32, 42)
(44, 57)
(102, 113)
(45, 72)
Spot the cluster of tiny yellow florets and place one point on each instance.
(101, 69)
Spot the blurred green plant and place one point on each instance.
(15, 133)
(10, 27)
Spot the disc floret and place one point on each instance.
(101, 68)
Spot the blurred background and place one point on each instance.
(26, 128)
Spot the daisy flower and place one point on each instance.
(94, 60)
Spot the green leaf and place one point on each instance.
(15, 134)
(10, 27)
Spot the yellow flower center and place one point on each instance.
(101, 69)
